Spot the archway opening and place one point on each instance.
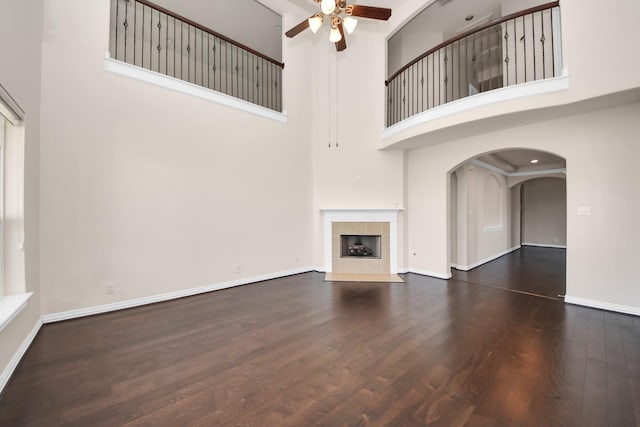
(508, 217)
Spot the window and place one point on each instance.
(12, 276)
(2, 144)
(13, 295)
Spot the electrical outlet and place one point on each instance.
(236, 268)
(296, 259)
(109, 289)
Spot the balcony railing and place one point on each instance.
(515, 49)
(148, 36)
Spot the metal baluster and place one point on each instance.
(489, 42)
(216, 64)
(398, 99)
(553, 54)
(159, 43)
(117, 20)
(506, 47)
(237, 69)
(422, 85)
(515, 48)
(135, 26)
(459, 71)
(433, 79)
(533, 29)
(195, 54)
(542, 39)
(125, 24)
(174, 47)
(189, 53)
(412, 92)
(426, 58)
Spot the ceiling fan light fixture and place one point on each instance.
(335, 36)
(350, 24)
(328, 6)
(315, 22)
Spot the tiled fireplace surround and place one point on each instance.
(382, 222)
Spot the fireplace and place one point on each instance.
(360, 246)
(361, 222)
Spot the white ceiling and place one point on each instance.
(519, 160)
(450, 18)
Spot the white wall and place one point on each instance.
(20, 63)
(407, 45)
(513, 6)
(600, 148)
(153, 191)
(349, 110)
(544, 211)
(482, 222)
(514, 213)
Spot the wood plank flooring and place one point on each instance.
(299, 351)
(531, 269)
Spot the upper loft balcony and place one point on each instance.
(178, 52)
(440, 64)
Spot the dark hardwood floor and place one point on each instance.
(535, 270)
(298, 351)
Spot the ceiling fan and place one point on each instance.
(341, 16)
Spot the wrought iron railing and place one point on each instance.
(515, 49)
(149, 36)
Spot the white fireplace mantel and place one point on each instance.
(362, 215)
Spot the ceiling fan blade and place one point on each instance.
(342, 44)
(371, 12)
(298, 28)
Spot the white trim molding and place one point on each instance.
(545, 245)
(9, 107)
(429, 273)
(10, 306)
(17, 356)
(162, 80)
(89, 311)
(485, 260)
(510, 174)
(602, 305)
(361, 215)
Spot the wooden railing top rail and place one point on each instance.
(471, 32)
(210, 31)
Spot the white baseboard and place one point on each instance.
(544, 245)
(403, 270)
(484, 261)
(13, 363)
(89, 311)
(602, 305)
(429, 273)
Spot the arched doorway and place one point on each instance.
(507, 225)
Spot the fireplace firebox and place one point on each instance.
(360, 246)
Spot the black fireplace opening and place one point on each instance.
(360, 246)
